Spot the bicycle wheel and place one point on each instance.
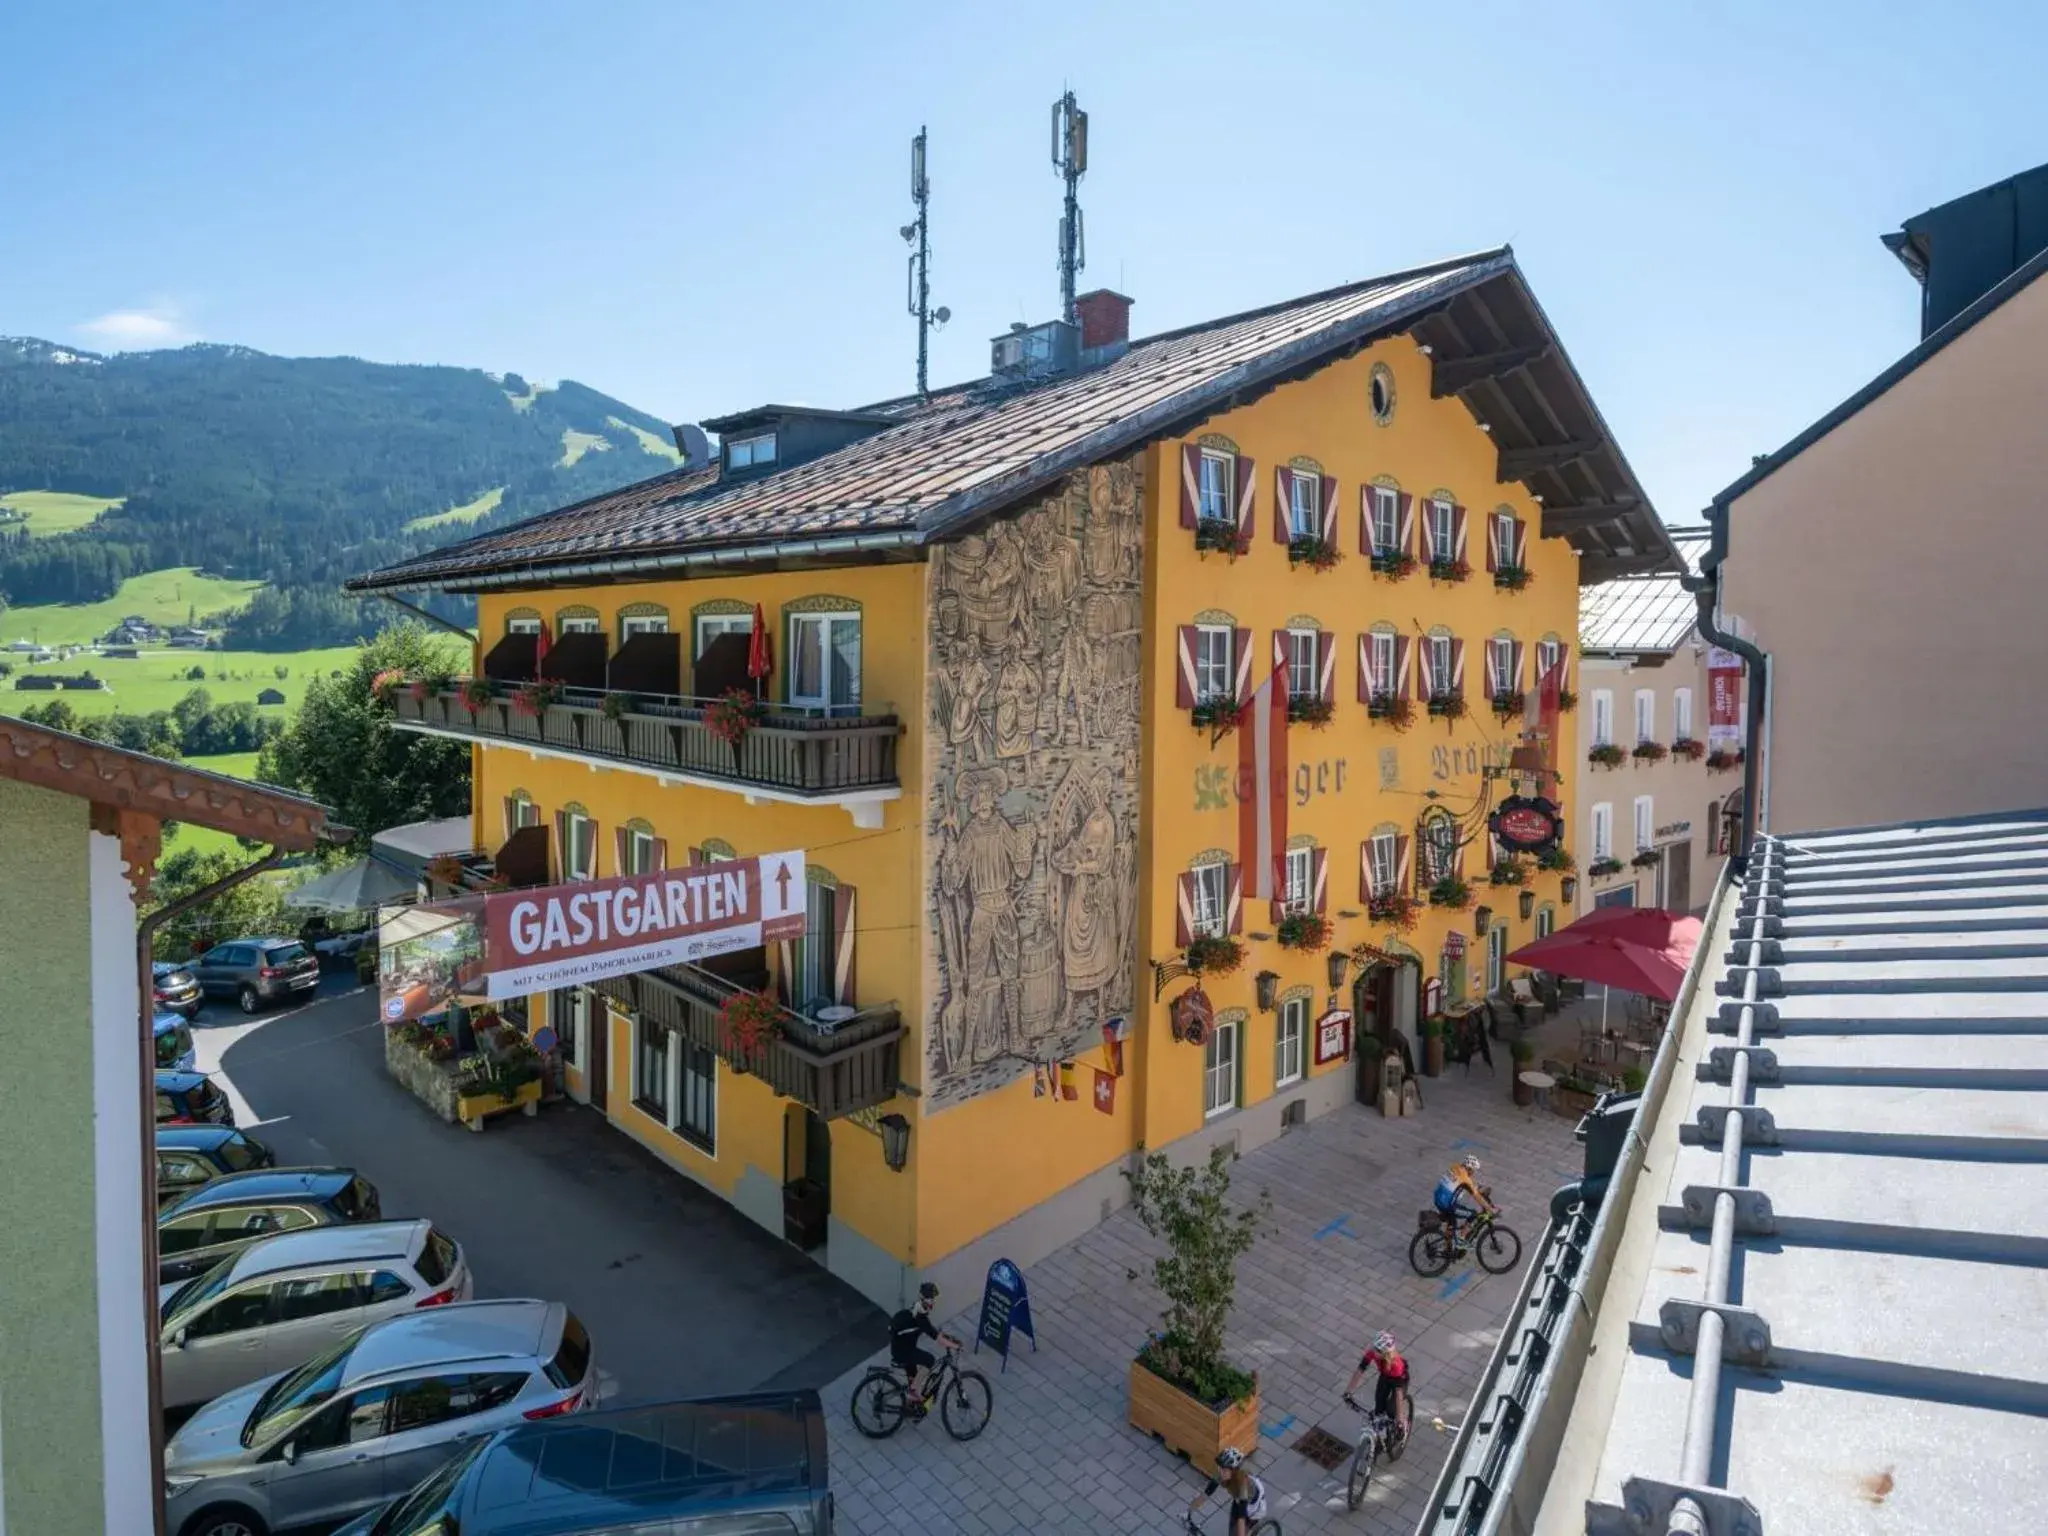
(965, 1404)
(1267, 1528)
(879, 1407)
(1429, 1252)
(1361, 1471)
(1396, 1443)
(1499, 1249)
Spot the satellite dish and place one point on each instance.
(942, 314)
(908, 232)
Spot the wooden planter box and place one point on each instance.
(1190, 1428)
(472, 1108)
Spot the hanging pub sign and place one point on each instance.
(1526, 824)
(1333, 1035)
(1193, 1017)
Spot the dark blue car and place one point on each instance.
(188, 1156)
(187, 1098)
(173, 1042)
(750, 1463)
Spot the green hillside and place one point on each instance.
(44, 514)
(162, 597)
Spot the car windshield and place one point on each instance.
(172, 1044)
(284, 954)
(201, 1288)
(291, 1398)
(429, 1510)
(237, 1153)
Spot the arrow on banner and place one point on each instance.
(782, 881)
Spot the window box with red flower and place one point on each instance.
(385, 685)
(1394, 908)
(1214, 954)
(1214, 714)
(1557, 861)
(1511, 578)
(476, 693)
(1310, 550)
(1215, 535)
(533, 700)
(1447, 706)
(1720, 761)
(1687, 748)
(1393, 564)
(1567, 701)
(1395, 709)
(1303, 930)
(730, 716)
(1310, 708)
(1649, 858)
(1449, 568)
(1451, 892)
(1607, 755)
(751, 1022)
(1599, 869)
(1506, 704)
(1650, 752)
(1507, 872)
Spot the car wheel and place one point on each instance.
(249, 999)
(225, 1520)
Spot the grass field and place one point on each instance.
(660, 447)
(236, 765)
(576, 444)
(158, 679)
(468, 512)
(54, 512)
(162, 597)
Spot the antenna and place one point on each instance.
(918, 277)
(1070, 159)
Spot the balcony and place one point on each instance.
(836, 1073)
(803, 757)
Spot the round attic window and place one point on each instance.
(1382, 391)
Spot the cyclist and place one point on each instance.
(1459, 1181)
(1391, 1396)
(906, 1329)
(1247, 1493)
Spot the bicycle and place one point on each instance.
(1381, 1436)
(1268, 1527)
(1494, 1243)
(881, 1400)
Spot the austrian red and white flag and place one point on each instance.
(1540, 712)
(1262, 787)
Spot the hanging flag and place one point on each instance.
(1068, 1088)
(1105, 1093)
(760, 659)
(1262, 787)
(1549, 696)
(542, 644)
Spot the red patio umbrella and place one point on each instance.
(760, 661)
(1650, 927)
(1591, 954)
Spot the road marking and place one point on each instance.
(1277, 1430)
(1455, 1284)
(1341, 1224)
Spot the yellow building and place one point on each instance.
(1008, 628)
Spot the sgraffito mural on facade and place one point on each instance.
(1032, 759)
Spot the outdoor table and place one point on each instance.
(1542, 1083)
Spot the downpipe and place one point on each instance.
(1706, 591)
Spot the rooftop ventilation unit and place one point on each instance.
(1036, 352)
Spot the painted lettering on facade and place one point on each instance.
(1219, 787)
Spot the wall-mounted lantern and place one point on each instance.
(1265, 984)
(1481, 918)
(1569, 888)
(1339, 962)
(1527, 902)
(895, 1141)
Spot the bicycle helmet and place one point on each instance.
(1230, 1458)
(1384, 1343)
(1469, 1162)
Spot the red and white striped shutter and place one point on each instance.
(661, 853)
(1368, 683)
(1319, 878)
(1521, 657)
(785, 973)
(1521, 549)
(1247, 498)
(1457, 681)
(1283, 504)
(1457, 533)
(1279, 903)
(1427, 552)
(1233, 909)
(1493, 681)
(1407, 524)
(1495, 555)
(1328, 491)
(1365, 870)
(1242, 645)
(1185, 691)
(1458, 860)
(1190, 485)
(1326, 658)
(1404, 861)
(618, 850)
(696, 856)
(1425, 674)
(1184, 911)
(1282, 639)
(1564, 664)
(1404, 658)
(1364, 519)
(842, 959)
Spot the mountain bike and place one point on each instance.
(1485, 1236)
(1380, 1437)
(1259, 1527)
(881, 1401)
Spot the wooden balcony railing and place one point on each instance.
(852, 1068)
(800, 754)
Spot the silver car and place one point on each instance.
(367, 1419)
(283, 1300)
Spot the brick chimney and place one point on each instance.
(1105, 318)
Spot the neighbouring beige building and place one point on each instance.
(1650, 830)
(1889, 560)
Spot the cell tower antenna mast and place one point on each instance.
(1070, 159)
(919, 276)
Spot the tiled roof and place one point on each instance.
(967, 452)
(1634, 615)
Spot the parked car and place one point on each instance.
(284, 1299)
(373, 1416)
(183, 1098)
(257, 971)
(758, 1461)
(188, 1156)
(226, 1216)
(177, 989)
(173, 1042)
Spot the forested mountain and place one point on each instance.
(296, 471)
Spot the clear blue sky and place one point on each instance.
(695, 208)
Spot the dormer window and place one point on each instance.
(750, 452)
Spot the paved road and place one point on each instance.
(682, 1295)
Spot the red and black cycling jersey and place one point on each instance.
(1393, 1367)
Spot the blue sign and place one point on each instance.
(1005, 1309)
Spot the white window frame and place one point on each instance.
(1547, 654)
(1304, 677)
(1504, 535)
(1211, 904)
(1384, 660)
(569, 824)
(1386, 519)
(1220, 1055)
(642, 624)
(1443, 529)
(522, 626)
(1305, 505)
(661, 1109)
(1439, 840)
(1383, 859)
(1496, 958)
(751, 451)
(1290, 1043)
(1443, 657)
(1300, 891)
(576, 1005)
(583, 624)
(829, 625)
(1208, 670)
(520, 811)
(1216, 487)
(1646, 823)
(1502, 655)
(1603, 831)
(1681, 714)
(1603, 717)
(1646, 715)
(1546, 922)
(710, 626)
(640, 849)
(693, 1106)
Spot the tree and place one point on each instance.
(341, 750)
(1189, 1210)
(255, 907)
(196, 675)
